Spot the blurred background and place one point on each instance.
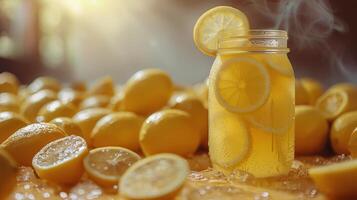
(86, 39)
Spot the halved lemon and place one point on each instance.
(215, 22)
(27, 141)
(231, 145)
(336, 180)
(61, 160)
(155, 177)
(106, 165)
(242, 85)
(335, 102)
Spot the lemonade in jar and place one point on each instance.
(251, 94)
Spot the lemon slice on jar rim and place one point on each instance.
(218, 21)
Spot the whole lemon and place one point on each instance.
(169, 131)
(198, 112)
(55, 109)
(118, 129)
(86, 120)
(147, 91)
(69, 95)
(67, 125)
(44, 82)
(8, 83)
(311, 130)
(341, 131)
(33, 104)
(301, 95)
(313, 88)
(9, 102)
(103, 86)
(96, 101)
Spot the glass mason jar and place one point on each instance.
(252, 104)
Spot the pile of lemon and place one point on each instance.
(136, 135)
(103, 132)
(323, 119)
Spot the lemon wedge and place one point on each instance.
(61, 160)
(336, 180)
(106, 165)
(242, 85)
(155, 177)
(215, 22)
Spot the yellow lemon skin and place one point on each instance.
(8, 171)
(118, 129)
(87, 119)
(147, 91)
(8, 83)
(169, 131)
(337, 180)
(44, 82)
(115, 103)
(55, 109)
(9, 123)
(341, 131)
(103, 86)
(311, 130)
(23, 94)
(67, 125)
(97, 101)
(106, 165)
(27, 141)
(71, 96)
(9, 102)
(301, 95)
(198, 112)
(34, 103)
(352, 144)
(61, 161)
(313, 88)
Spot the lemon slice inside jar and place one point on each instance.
(242, 85)
(229, 147)
(277, 115)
